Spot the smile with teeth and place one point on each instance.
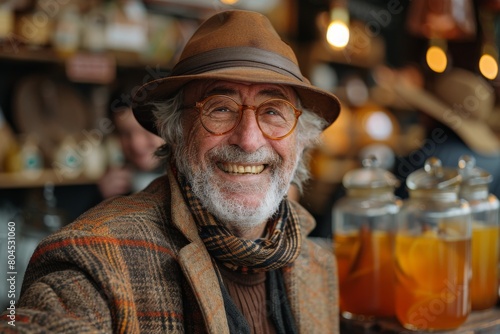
(240, 169)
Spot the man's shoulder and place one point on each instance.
(314, 250)
(138, 222)
(123, 214)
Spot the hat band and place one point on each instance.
(237, 57)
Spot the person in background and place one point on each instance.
(138, 146)
(454, 109)
(131, 170)
(214, 245)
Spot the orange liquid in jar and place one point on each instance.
(366, 273)
(432, 281)
(484, 282)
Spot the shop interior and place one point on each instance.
(62, 60)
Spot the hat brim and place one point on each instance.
(321, 102)
(474, 132)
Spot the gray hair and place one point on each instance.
(168, 116)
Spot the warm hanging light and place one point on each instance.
(488, 63)
(445, 19)
(337, 33)
(229, 2)
(436, 56)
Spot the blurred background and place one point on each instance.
(63, 61)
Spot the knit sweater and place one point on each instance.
(248, 292)
(136, 264)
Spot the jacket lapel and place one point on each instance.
(197, 265)
(313, 298)
(198, 269)
(311, 284)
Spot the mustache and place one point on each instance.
(263, 155)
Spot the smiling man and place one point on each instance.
(215, 245)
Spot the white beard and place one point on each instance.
(230, 210)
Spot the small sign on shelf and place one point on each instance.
(94, 68)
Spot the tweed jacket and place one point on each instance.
(135, 264)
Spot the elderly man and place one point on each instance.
(215, 245)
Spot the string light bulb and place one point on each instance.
(488, 63)
(436, 56)
(337, 33)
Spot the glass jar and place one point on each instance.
(364, 226)
(433, 251)
(485, 234)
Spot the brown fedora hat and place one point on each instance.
(459, 99)
(235, 45)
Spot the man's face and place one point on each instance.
(241, 176)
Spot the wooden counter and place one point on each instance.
(478, 322)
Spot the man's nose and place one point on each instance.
(247, 134)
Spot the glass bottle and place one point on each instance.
(485, 233)
(40, 218)
(432, 251)
(364, 226)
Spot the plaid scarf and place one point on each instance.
(280, 248)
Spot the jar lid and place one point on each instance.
(471, 174)
(371, 176)
(433, 176)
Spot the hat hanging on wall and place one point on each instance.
(459, 99)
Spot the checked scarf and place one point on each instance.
(280, 248)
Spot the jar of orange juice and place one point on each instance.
(433, 251)
(485, 233)
(364, 228)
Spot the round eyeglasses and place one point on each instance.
(220, 114)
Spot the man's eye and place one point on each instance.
(271, 112)
(222, 113)
(222, 109)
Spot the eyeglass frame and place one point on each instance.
(242, 107)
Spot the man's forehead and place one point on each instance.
(205, 87)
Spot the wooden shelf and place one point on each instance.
(50, 56)
(34, 180)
